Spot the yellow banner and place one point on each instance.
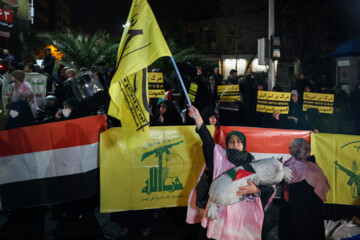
(321, 101)
(274, 96)
(160, 172)
(270, 102)
(156, 85)
(229, 93)
(155, 77)
(141, 44)
(339, 158)
(193, 91)
(272, 109)
(319, 97)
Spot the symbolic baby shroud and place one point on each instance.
(262, 172)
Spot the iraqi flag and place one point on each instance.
(50, 163)
(264, 142)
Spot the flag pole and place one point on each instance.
(182, 83)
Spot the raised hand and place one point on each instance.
(194, 112)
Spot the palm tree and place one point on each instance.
(82, 50)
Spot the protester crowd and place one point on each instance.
(63, 103)
(243, 113)
(171, 111)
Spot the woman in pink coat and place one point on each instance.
(240, 221)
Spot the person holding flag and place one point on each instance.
(244, 219)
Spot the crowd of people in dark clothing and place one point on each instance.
(63, 103)
(243, 113)
(172, 111)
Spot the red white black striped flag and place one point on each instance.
(50, 163)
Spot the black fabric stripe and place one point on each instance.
(248, 168)
(49, 190)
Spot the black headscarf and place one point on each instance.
(74, 106)
(313, 119)
(235, 156)
(23, 119)
(171, 116)
(206, 114)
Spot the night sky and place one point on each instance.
(90, 16)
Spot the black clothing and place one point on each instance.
(212, 96)
(232, 81)
(315, 87)
(25, 117)
(355, 108)
(66, 91)
(218, 79)
(269, 121)
(58, 78)
(325, 84)
(302, 217)
(249, 92)
(311, 120)
(295, 110)
(208, 150)
(340, 104)
(300, 85)
(48, 63)
(74, 105)
(171, 116)
(238, 158)
(206, 114)
(231, 117)
(202, 95)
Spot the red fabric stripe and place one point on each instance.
(71, 133)
(242, 173)
(262, 140)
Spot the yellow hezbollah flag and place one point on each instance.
(339, 158)
(160, 172)
(141, 44)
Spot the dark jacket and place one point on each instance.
(48, 62)
(25, 117)
(171, 116)
(202, 95)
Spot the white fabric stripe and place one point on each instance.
(51, 163)
(258, 156)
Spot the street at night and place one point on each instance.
(174, 120)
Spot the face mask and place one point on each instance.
(14, 113)
(66, 112)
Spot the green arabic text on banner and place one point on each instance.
(160, 172)
(321, 101)
(156, 85)
(193, 91)
(229, 93)
(339, 158)
(270, 102)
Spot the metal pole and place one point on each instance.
(182, 83)
(271, 73)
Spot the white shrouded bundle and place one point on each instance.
(223, 190)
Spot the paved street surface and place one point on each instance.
(168, 224)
